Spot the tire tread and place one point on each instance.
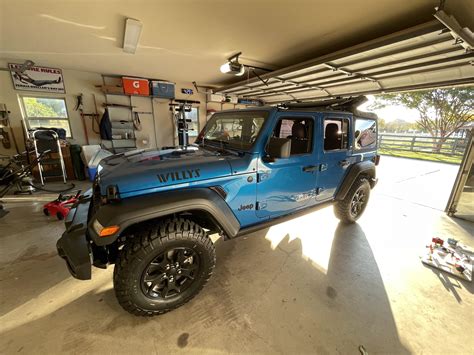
(151, 237)
(342, 207)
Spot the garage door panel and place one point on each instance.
(415, 58)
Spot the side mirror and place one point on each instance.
(278, 148)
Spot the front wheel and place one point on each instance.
(163, 266)
(353, 205)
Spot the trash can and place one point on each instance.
(77, 163)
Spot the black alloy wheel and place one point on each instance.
(358, 202)
(170, 273)
(162, 266)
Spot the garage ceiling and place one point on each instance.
(189, 40)
(424, 56)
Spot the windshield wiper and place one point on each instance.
(224, 146)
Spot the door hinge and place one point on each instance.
(261, 205)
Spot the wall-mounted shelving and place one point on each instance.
(121, 116)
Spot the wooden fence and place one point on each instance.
(425, 144)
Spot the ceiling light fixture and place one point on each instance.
(233, 66)
(133, 30)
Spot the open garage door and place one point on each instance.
(434, 54)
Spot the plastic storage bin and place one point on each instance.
(162, 89)
(92, 173)
(136, 86)
(94, 162)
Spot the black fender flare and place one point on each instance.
(362, 168)
(146, 207)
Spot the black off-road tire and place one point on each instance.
(344, 209)
(145, 247)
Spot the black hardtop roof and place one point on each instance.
(341, 105)
(348, 104)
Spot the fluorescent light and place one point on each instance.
(133, 30)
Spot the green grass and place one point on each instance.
(441, 158)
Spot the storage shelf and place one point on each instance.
(149, 96)
(124, 107)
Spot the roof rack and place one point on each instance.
(338, 102)
(349, 104)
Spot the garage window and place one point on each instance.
(365, 134)
(46, 112)
(193, 126)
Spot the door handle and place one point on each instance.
(310, 168)
(344, 163)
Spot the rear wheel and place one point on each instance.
(355, 202)
(60, 216)
(163, 267)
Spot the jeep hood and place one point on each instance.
(143, 170)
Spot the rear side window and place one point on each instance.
(365, 134)
(336, 134)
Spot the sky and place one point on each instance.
(391, 113)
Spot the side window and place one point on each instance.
(299, 131)
(365, 134)
(336, 134)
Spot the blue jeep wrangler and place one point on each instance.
(151, 212)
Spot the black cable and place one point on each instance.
(258, 76)
(48, 190)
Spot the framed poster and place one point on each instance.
(38, 79)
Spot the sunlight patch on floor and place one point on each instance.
(51, 300)
(315, 232)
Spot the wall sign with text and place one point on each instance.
(38, 79)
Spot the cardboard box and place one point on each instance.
(112, 89)
(136, 86)
(232, 99)
(215, 98)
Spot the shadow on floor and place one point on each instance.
(354, 278)
(29, 263)
(258, 300)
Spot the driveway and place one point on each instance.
(421, 182)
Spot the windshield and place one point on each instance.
(237, 130)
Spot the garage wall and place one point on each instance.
(157, 128)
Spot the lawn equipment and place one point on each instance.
(18, 173)
(61, 206)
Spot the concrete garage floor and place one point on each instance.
(310, 285)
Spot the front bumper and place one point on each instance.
(73, 245)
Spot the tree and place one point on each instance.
(37, 109)
(442, 111)
(381, 124)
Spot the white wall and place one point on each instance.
(156, 128)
